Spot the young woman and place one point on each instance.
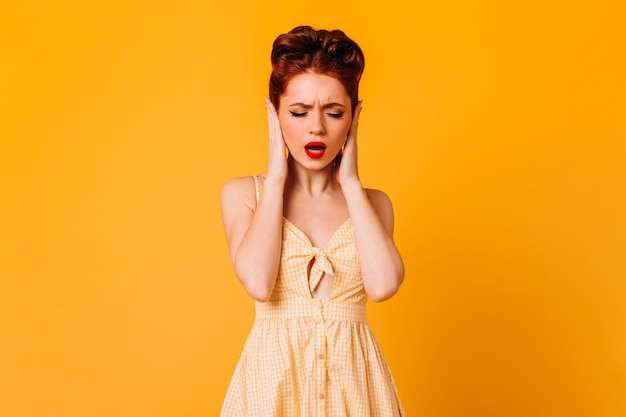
(310, 244)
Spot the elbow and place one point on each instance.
(383, 294)
(257, 287)
(386, 289)
(260, 293)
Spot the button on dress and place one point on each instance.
(312, 357)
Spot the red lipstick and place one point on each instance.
(315, 150)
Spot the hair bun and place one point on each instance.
(301, 41)
(342, 51)
(326, 52)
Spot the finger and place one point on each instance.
(273, 116)
(351, 138)
(270, 120)
(274, 125)
(277, 140)
(355, 119)
(270, 107)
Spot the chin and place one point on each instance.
(313, 164)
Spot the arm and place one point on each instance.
(382, 268)
(254, 235)
(372, 217)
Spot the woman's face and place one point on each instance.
(315, 115)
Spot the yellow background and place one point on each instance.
(497, 128)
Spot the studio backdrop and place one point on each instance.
(498, 129)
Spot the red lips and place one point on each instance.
(315, 150)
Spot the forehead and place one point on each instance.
(308, 87)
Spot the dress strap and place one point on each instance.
(257, 188)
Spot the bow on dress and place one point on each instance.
(321, 264)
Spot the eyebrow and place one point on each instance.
(309, 106)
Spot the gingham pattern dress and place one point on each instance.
(308, 357)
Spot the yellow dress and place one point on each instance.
(308, 357)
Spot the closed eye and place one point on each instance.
(295, 114)
(336, 115)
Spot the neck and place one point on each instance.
(309, 181)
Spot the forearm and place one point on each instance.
(257, 258)
(382, 268)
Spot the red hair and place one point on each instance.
(304, 49)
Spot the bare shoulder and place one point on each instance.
(383, 206)
(378, 197)
(238, 192)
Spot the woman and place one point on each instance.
(310, 244)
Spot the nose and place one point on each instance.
(317, 123)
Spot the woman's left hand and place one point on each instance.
(346, 167)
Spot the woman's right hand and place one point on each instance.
(277, 159)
